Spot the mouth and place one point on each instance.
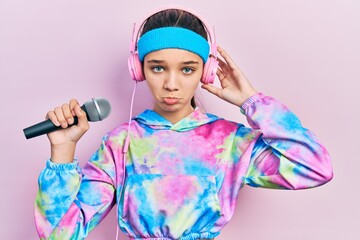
(171, 100)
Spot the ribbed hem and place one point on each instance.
(254, 98)
(191, 236)
(61, 166)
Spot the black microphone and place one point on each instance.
(96, 109)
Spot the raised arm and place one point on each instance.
(281, 153)
(71, 201)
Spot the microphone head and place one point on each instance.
(97, 109)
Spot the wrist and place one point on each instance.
(254, 98)
(62, 167)
(63, 153)
(245, 97)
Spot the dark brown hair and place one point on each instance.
(175, 18)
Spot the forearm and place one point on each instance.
(287, 154)
(71, 201)
(59, 185)
(65, 207)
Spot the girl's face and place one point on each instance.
(172, 76)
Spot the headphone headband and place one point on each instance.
(138, 27)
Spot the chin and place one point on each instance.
(171, 108)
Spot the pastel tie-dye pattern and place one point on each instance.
(183, 179)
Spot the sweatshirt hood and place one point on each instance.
(195, 119)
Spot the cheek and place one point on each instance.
(190, 88)
(194, 81)
(151, 86)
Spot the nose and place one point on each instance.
(171, 83)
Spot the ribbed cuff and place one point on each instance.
(62, 166)
(254, 98)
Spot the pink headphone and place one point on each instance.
(134, 63)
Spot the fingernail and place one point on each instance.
(70, 120)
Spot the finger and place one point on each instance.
(210, 88)
(60, 117)
(67, 113)
(220, 74)
(82, 119)
(73, 103)
(224, 67)
(51, 115)
(227, 58)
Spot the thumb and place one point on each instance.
(82, 119)
(210, 88)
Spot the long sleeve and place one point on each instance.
(283, 153)
(70, 201)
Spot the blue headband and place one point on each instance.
(173, 37)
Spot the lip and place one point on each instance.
(171, 100)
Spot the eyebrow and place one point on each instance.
(161, 61)
(191, 62)
(155, 61)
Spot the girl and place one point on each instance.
(174, 172)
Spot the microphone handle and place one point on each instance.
(44, 127)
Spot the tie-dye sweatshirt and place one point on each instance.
(182, 180)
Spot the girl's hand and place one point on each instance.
(235, 88)
(63, 142)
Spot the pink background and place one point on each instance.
(304, 53)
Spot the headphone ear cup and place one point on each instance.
(210, 69)
(135, 68)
